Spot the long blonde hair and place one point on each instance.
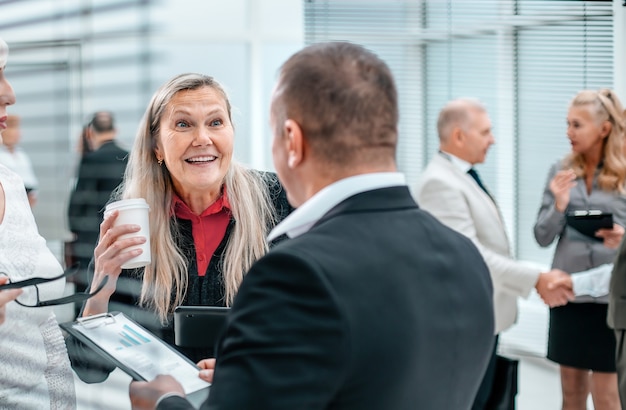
(165, 278)
(604, 106)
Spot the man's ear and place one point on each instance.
(295, 143)
(457, 137)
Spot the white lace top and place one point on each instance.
(35, 372)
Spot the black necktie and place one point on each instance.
(474, 175)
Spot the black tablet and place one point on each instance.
(588, 222)
(198, 326)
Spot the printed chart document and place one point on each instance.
(137, 351)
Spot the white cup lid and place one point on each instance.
(127, 203)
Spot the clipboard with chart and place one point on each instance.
(136, 351)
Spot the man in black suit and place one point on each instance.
(100, 172)
(371, 303)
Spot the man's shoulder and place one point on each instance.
(114, 146)
(109, 151)
(439, 175)
(436, 165)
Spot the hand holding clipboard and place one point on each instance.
(136, 351)
(589, 222)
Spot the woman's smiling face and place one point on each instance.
(196, 141)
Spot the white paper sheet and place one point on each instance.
(139, 350)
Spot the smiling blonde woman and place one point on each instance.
(209, 215)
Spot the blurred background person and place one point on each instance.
(209, 217)
(35, 371)
(591, 177)
(101, 170)
(83, 147)
(15, 158)
(452, 191)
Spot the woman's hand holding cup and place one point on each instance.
(118, 245)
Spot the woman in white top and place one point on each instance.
(35, 371)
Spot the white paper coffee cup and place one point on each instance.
(133, 211)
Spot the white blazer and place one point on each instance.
(454, 198)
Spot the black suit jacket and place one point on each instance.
(100, 172)
(378, 306)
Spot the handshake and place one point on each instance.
(555, 287)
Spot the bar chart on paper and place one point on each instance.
(137, 351)
(130, 337)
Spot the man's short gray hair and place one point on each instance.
(456, 113)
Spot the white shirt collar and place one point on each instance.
(459, 163)
(303, 218)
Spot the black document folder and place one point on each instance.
(588, 222)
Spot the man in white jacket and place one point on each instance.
(451, 190)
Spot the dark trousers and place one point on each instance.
(484, 391)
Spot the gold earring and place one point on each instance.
(160, 161)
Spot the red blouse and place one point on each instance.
(208, 229)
